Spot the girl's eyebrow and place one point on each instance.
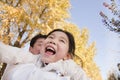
(60, 37)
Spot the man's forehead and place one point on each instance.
(40, 40)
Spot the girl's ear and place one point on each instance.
(68, 56)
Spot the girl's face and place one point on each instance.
(55, 47)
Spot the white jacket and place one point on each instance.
(68, 68)
(14, 55)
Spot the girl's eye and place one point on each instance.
(62, 41)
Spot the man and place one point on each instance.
(35, 46)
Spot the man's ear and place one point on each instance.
(68, 56)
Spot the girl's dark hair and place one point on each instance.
(35, 38)
(70, 38)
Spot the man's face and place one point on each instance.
(37, 46)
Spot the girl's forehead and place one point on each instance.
(60, 34)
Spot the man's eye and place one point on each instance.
(40, 44)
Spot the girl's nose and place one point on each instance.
(52, 42)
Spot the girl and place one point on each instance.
(54, 63)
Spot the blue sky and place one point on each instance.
(85, 13)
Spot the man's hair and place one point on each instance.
(35, 38)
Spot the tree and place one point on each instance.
(113, 24)
(20, 20)
(114, 74)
